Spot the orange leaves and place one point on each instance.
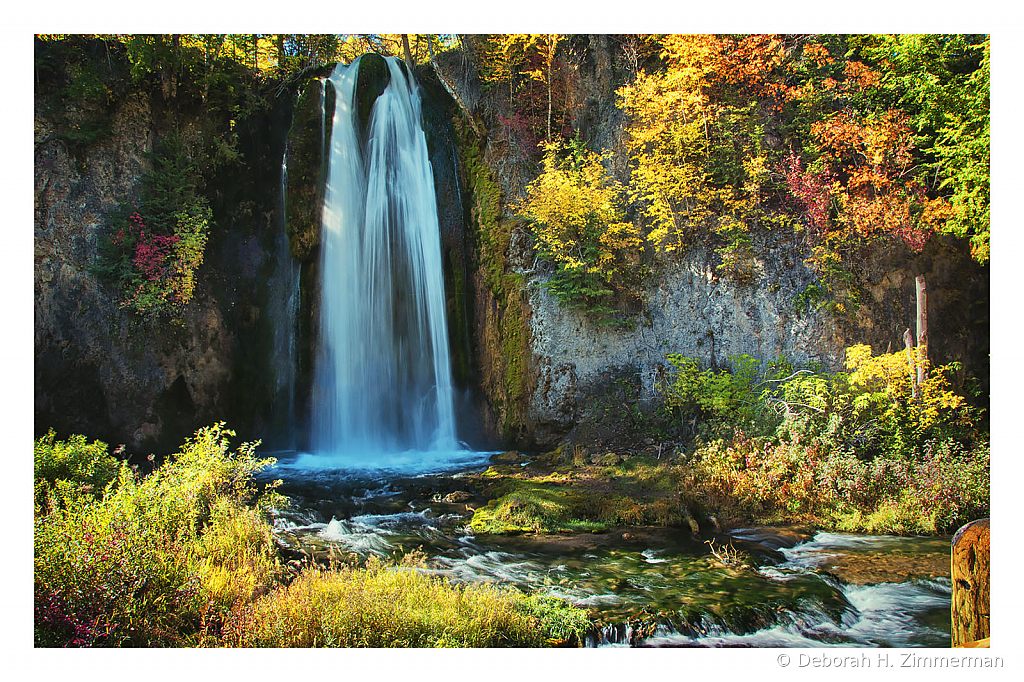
(882, 143)
(699, 63)
(874, 157)
(818, 54)
(755, 62)
(861, 75)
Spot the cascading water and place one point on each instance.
(383, 388)
(283, 309)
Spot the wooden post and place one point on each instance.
(969, 572)
(908, 341)
(922, 328)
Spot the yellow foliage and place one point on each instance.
(895, 373)
(575, 210)
(672, 122)
(503, 57)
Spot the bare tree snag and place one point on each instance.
(969, 572)
(451, 90)
(908, 341)
(922, 328)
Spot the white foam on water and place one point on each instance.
(651, 556)
(403, 463)
(344, 533)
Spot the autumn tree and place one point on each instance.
(690, 178)
(942, 83)
(575, 212)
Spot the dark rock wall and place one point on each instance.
(103, 372)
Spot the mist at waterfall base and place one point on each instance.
(382, 398)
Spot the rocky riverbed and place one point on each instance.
(644, 585)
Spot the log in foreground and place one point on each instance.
(969, 572)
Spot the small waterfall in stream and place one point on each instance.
(283, 307)
(382, 383)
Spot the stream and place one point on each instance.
(767, 587)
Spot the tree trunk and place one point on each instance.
(969, 572)
(908, 341)
(176, 51)
(551, 60)
(922, 329)
(451, 90)
(408, 53)
(211, 60)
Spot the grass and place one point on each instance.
(186, 557)
(399, 606)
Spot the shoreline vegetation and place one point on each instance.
(185, 555)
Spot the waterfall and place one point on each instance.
(283, 311)
(382, 379)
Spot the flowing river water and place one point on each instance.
(788, 587)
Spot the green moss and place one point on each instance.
(644, 492)
(491, 234)
(458, 325)
(306, 174)
(374, 76)
(513, 346)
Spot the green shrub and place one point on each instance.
(156, 561)
(872, 409)
(149, 250)
(730, 396)
(75, 466)
(104, 578)
(390, 606)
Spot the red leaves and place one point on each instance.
(882, 144)
(813, 190)
(151, 255)
(874, 156)
(517, 132)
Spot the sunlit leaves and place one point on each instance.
(575, 211)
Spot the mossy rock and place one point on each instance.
(373, 79)
(510, 457)
(307, 166)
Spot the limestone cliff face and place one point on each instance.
(548, 372)
(690, 311)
